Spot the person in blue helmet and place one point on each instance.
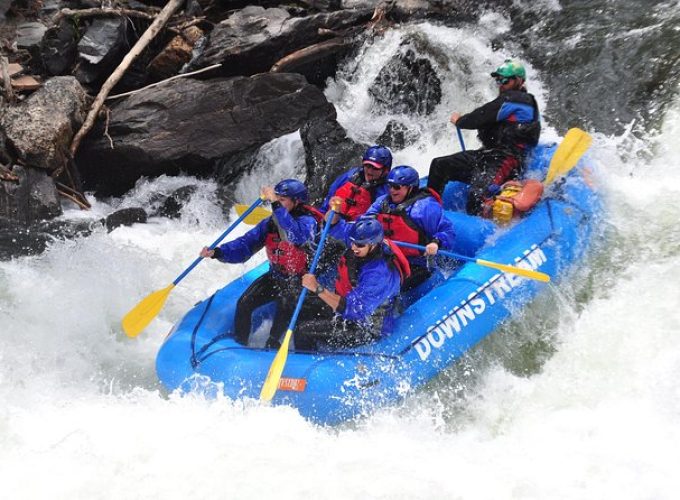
(413, 215)
(507, 127)
(360, 186)
(369, 276)
(288, 238)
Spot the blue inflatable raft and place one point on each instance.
(446, 317)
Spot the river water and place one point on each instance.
(578, 398)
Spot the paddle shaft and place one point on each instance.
(527, 273)
(312, 268)
(245, 214)
(460, 138)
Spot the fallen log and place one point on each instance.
(307, 55)
(118, 73)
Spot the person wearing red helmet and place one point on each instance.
(288, 238)
(360, 186)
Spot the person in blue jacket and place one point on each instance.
(413, 215)
(288, 238)
(369, 276)
(507, 127)
(360, 186)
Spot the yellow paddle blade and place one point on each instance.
(527, 273)
(257, 215)
(141, 315)
(271, 383)
(569, 152)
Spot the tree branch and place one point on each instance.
(115, 77)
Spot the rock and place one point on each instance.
(30, 34)
(172, 207)
(17, 240)
(328, 153)
(33, 198)
(397, 135)
(40, 128)
(125, 217)
(407, 84)
(101, 48)
(58, 48)
(192, 126)
(25, 82)
(254, 38)
(175, 54)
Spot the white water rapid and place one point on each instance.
(592, 414)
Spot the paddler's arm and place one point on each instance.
(332, 299)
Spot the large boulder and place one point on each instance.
(192, 126)
(328, 153)
(252, 39)
(40, 129)
(407, 84)
(28, 196)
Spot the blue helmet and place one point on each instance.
(366, 230)
(378, 156)
(404, 175)
(292, 188)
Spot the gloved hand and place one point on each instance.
(493, 189)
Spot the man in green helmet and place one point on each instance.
(507, 127)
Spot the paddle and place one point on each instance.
(460, 139)
(527, 273)
(143, 313)
(575, 143)
(271, 383)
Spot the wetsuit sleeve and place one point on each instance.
(428, 215)
(482, 117)
(299, 230)
(374, 209)
(244, 247)
(376, 284)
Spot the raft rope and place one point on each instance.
(194, 360)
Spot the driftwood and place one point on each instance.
(94, 12)
(9, 93)
(101, 13)
(132, 92)
(137, 49)
(307, 54)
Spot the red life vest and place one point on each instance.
(398, 224)
(357, 196)
(348, 268)
(288, 258)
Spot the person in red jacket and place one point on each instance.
(360, 186)
(287, 236)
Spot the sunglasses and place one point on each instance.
(394, 185)
(504, 80)
(359, 245)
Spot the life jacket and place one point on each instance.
(288, 258)
(515, 199)
(357, 195)
(348, 268)
(398, 224)
(519, 125)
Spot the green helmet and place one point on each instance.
(510, 68)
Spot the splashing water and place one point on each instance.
(592, 415)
